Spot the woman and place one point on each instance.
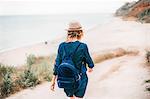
(80, 59)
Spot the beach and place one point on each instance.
(117, 78)
(115, 31)
(111, 35)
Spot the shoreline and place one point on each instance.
(26, 45)
(3, 50)
(21, 46)
(9, 57)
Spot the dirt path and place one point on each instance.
(119, 78)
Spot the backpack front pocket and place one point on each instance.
(64, 82)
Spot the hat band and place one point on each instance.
(76, 28)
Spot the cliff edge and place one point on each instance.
(138, 10)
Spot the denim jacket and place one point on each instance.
(81, 57)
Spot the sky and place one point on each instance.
(44, 7)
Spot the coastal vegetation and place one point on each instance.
(39, 69)
(6, 83)
(35, 71)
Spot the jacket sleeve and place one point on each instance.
(57, 61)
(88, 58)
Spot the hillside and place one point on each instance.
(118, 78)
(139, 10)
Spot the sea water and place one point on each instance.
(22, 30)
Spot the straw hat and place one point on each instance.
(74, 26)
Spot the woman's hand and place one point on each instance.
(90, 70)
(53, 83)
(52, 86)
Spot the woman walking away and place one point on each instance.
(70, 64)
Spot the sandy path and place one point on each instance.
(119, 78)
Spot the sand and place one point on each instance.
(118, 78)
(118, 33)
(17, 57)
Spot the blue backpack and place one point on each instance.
(68, 76)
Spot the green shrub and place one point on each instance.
(7, 85)
(27, 79)
(31, 59)
(147, 87)
(4, 69)
(144, 13)
(36, 70)
(148, 56)
(6, 82)
(147, 81)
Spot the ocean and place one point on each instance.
(21, 30)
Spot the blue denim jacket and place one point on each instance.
(80, 58)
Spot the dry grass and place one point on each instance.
(99, 57)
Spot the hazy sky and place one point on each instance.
(32, 7)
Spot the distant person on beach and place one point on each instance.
(46, 42)
(81, 57)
